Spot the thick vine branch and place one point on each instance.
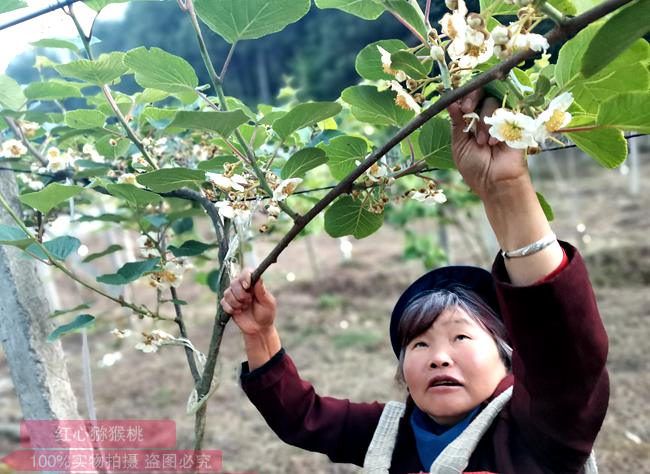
(560, 33)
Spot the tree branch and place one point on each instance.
(15, 128)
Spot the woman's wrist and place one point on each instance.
(261, 346)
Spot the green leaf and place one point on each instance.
(628, 111)
(216, 164)
(503, 8)
(435, 143)
(110, 249)
(103, 70)
(303, 161)
(366, 9)
(237, 20)
(106, 149)
(84, 119)
(11, 95)
(81, 321)
(565, 6)
(410, 64)
(50, 196)
(224, 123)
(409, 11)
(60, 312)
(52, 90)
(56, 43)
(133, 195)
(183, 225)
(347, 216)
(546, 207)
(304, 115)
(11, 5)
(616, 35)
(60, 247)
(368, 63)
(161, 70)
(607, 146)
(14, 236)
(190, 248)
(156, 220)
(343, 153)
(149, 96)
(170, 179)
(378, 108)
(129, 272)
(159, 118)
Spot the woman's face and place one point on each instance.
(452, 367)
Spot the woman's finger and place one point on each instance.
(231, 300)
(239, 292)
(471, 101)
(489, 106)
(226, 307)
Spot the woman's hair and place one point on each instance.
(421, 313)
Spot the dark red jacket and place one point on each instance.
(561, 388)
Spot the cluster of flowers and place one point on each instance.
(151, 342)
(465, 39)
(172, 271)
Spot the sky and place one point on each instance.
(56, 24)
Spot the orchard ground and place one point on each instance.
(335, 327)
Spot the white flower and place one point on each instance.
(89, 149)
(529, 41)
(404, 99)
(147, 247)
(200, 152)
(57, 161)
(128, 178)
(29, 128)
(138, 161)
(514, 128)
(225, 183)
(476, 54)
(35, 185)
(238, 182)
(148, 345)
(437, 197)
(454, 24)
(386, 63)
(500, 35)
(554, 117)
(286, 188)
(273, 210)
(121, 333)
(376, 172)
(237, 211)
(13, 149)
(471, 120)
(170, 275)
(159, 335)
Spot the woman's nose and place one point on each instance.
(439, 359)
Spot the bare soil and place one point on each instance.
(333, 321)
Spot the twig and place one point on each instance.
(15, 128)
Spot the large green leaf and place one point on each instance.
(190, 248)
(133, 195)
(368, 63)
(11, 5)
(237, 20)
(13, 236)
(60, 247)
(170, 179)
(303, 161)
(52, 90)
(497, 7)
(435, 143)
(11, 95)
(409, 11)
(616, 35)
(347, 216)
(103, 70)
(628, 111)
(370, 105)
(112, 147)
(158, 117)
(304, 115)
(570, 56)
(50, 196)
(343, 153)
(224, 123)
(81, 321)
(84, 119)
(366, 9)
(129, 272)
(607, 146)
(410, 64)
(565, 6)
(158, 69)
(108, 250)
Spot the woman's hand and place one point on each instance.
(484, 162)
(253, 311)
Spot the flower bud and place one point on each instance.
(411, 84)
(500, 35)
(451, 4)
(401, 76)
(433, 34)
(475, 21)
(263, 228)
(532, 150)
(437, 53)
(419, 98)
(112, 142)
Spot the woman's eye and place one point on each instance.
(460, 337)
(420, 344)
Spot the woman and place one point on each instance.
(505, 372)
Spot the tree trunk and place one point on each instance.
(37, 367)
